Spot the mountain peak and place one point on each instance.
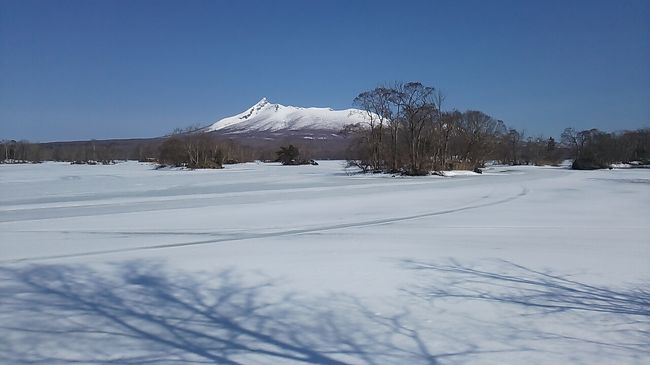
(262, 102)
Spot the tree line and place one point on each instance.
(409, 132)
(191, 149)
(19, 151)
(93, 152)
(194, 150)
(595, 149)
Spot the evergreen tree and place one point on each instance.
(288, 155)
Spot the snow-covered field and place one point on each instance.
(265, 264)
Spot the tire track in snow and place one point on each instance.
(77, 208)
(524, 191)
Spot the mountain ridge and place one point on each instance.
(268, 117)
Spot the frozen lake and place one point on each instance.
(269, 264)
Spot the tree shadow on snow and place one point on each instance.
(545, 297)
(139, 313)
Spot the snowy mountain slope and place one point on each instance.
(269, 117)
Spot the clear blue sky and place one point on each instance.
(116, 69)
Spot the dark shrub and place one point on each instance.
(289, 155)
(587, 163)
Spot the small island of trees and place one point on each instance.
(409, 132)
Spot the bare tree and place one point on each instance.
(478, 131)
(376, 104)
(417, 108)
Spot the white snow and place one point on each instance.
(270, 117)
(458, 173)
(269, 264)
(632, 164)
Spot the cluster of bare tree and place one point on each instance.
(199, 150)
(408, 132)
(514, 149)
(594, 149)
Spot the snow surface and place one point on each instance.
(268, 117)
(270, 264)
(458, 173)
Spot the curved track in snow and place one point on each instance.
(233, 238)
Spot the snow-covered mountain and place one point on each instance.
(269, 117)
